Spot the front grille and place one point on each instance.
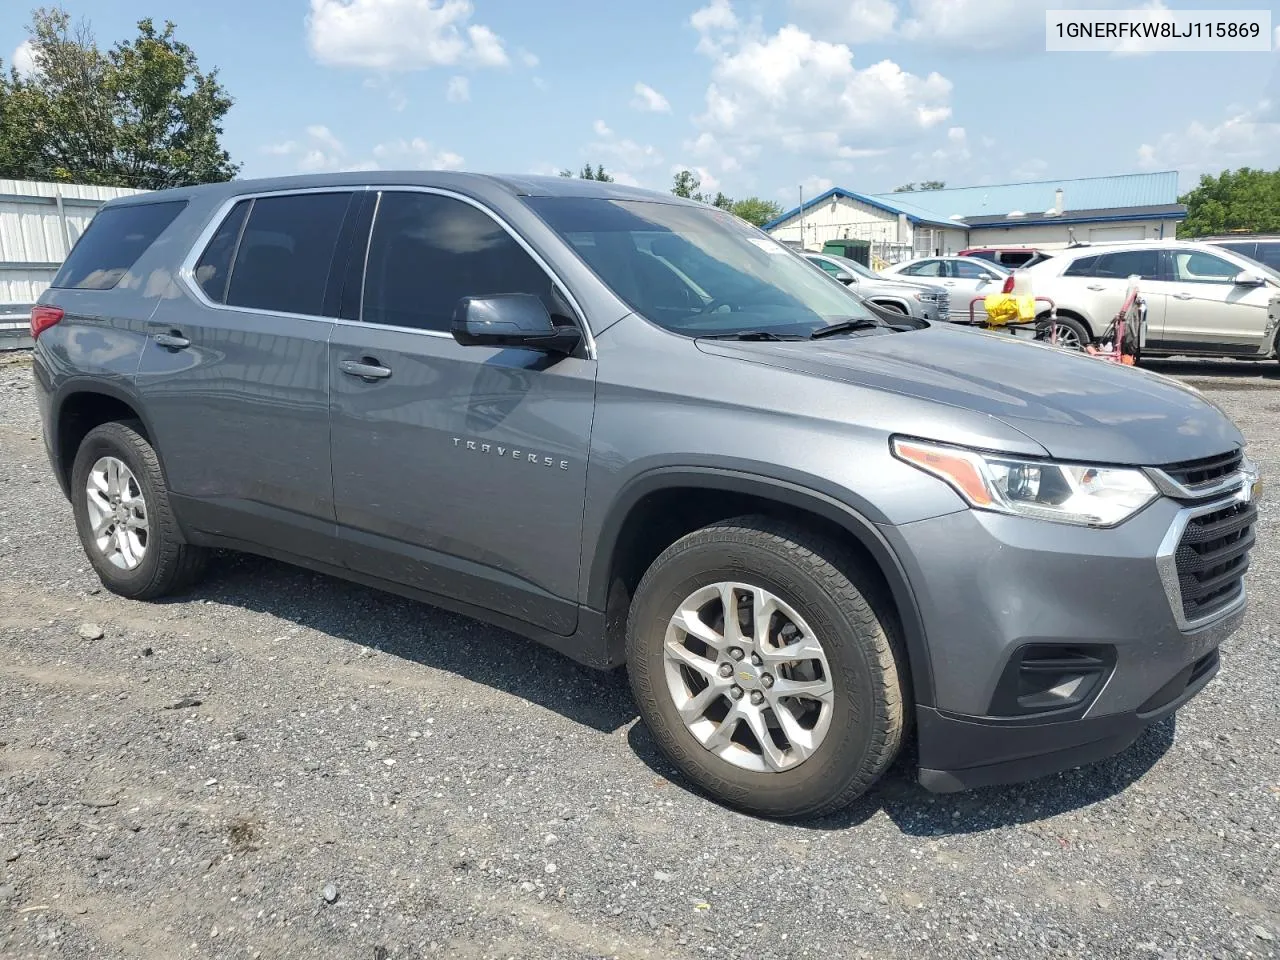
(1212, 558)
(1194, 473)
(943, 300)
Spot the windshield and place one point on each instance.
(698, 271)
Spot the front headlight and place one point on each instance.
(919, 296)
(1091, 496)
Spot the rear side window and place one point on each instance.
(215, 265)
(1247, 249)
(427, 252)
(1126, 263)
(285, 253)
(1268, 253)
(113, 242)
(1081, 268)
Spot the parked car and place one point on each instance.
(1265, 250)
(926, 301)
(639, 430)
(1200, 301)
(1011, 258)
(963, 277)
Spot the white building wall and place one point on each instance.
(1056, 235)
(841, 218)
(36, 231)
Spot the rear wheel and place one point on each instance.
(1065, 332)
(123, 516)
(762, 669)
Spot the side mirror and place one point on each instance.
(1246, 279)
(510, 320)
(848, 279)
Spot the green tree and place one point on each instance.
(141, 114)
(686, 184)
(587, 173)
(757, 211)
(922, 185)
(1245, 200)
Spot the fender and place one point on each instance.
(103, 387)
(881, 300)
(791, 495)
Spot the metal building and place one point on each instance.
(38, 224)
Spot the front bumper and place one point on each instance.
(991, 587)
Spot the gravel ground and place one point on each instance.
(285, 765)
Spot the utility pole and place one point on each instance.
(802, 216)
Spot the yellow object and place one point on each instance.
(1005, 308)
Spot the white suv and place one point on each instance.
(1200, 300)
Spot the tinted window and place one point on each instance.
(215, 264)
(286, 251)
(926, 268)
(1081, 268)
(1011, 258)
(1196, 267)
(113, 242)
(983, 255)
(1245, 249)
(969, 271)
(1268, 253)
(427, 252)
(1144, 263)
(828, 266)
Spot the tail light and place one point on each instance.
(1008, 284)
(42, 318)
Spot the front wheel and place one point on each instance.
(762, 669)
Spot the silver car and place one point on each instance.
(928, 301)
(965, 278)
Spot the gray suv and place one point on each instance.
(640, 431)
(927, 301)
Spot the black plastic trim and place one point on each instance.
(787, 494)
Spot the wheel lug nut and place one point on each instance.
(755, 658)
(735, 653)
(726, 670)
(757, 697)
(767, 679)
(736, 692)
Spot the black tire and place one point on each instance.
(169, 564)
(823, 583)
(1044, 329)
(893, 308)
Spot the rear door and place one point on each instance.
(459, 471)
(1110, 284)
(235, 374)
(1208, 312)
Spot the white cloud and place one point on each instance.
(708, 183)
(530, 60)
(622, 152)
(805, 94)
(320, 151)
(415, 154)
(812, 186)
(650, 100)
(24, 59)
(848, 21)
(459, 90)
(400, 35)
(1154, 11)
(1245, 138)
(976, 24)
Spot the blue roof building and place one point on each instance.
(1044, 213)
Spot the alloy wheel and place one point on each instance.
(748, 677)
(117, 513)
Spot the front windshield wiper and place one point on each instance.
(845, 326)
(750, 335)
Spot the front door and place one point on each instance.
(1207, 311)
(460, 471)
(235, 376)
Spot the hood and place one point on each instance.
(1074, 406)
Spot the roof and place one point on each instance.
(959, 207)
(1163, 211)
(913, 213)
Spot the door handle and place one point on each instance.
(1095, 286)
(366, 368)
(172, 341)
(1183, 296)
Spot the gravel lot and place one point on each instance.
(285, 765)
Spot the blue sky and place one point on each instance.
(760, 96)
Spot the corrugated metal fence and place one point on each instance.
(39, 222)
